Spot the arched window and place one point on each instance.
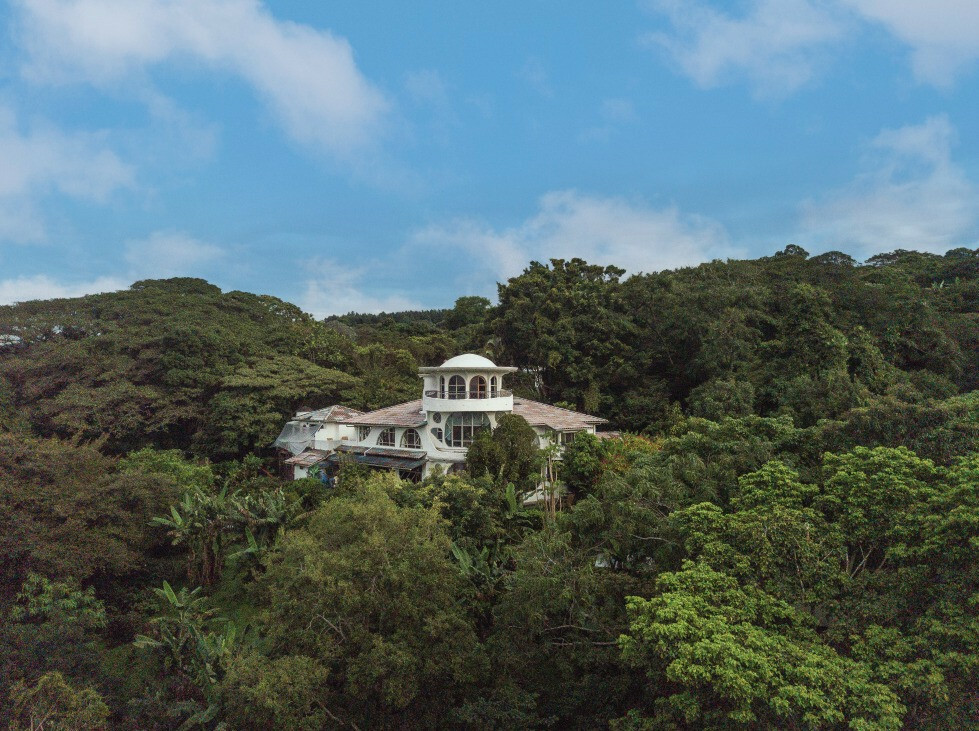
(461, 428)
(494, 387)
(441, 386)
(457, 387)
(411, 439)
(477, 387)
(386, 438)
(363, 432)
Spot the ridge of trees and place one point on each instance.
(783, 536)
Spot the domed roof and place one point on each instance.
(468, 360)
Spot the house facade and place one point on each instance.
(463, 396)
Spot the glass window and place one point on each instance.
(437, 433)
(477, 387)
(411, 439)
(461, 428)
(386, 438)
(567, 437)
(457, 387)
(494, 387)
(363, 432)
(441, 386)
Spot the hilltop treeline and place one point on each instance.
(785, 536)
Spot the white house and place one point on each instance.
(461, 397)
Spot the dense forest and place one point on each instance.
(784, 535)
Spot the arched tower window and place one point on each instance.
(386, 438)
(411, 439)
(457, 387)
(494, 387)
(461, 428)
(477, 387)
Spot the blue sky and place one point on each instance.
(354, 156)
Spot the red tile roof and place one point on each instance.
(407, 414)
(329, 415)
(537, 414)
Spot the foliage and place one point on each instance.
(727, 654)
(193, 641)
(783, 534)
(367, 591)
(54, 704)
(509, 454)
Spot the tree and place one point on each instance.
(509, 454)
(66, 513)
(732, 655)
(53, 704)
(367, 591)
(196, 647)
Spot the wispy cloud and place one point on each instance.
(910, 195)
(39, 160)
(535, 75)
(307, 77)
(170, 254)
(601, 230)
(777, 44)
(615, 113)
(943, 34)
(41, 286)
(336, 289)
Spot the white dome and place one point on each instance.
(468, 360)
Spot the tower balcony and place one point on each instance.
(500, 400)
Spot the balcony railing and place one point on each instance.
(499, 393)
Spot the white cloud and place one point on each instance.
(78, 165)
(599, 230)
(777, 44)
(536, 76)
(307, 77)
(335, 289)
(169, 254)
(615, 112)
(41, 286)
(943, 34)
(44, 160)
(911, 195)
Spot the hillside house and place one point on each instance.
(460, 398)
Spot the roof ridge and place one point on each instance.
(561, 408)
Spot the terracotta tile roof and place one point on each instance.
(609, 434)
(308, 458)
(538, 414)
(407, 414)
(329, 415)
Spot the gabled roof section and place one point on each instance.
(538, 414)
(308, 458)
(328, 415)
(407, 414)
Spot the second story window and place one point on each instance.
(457, 387)
(386, 438)
(477, 387)
(363, 432)
(462, 428)
(494, 387)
